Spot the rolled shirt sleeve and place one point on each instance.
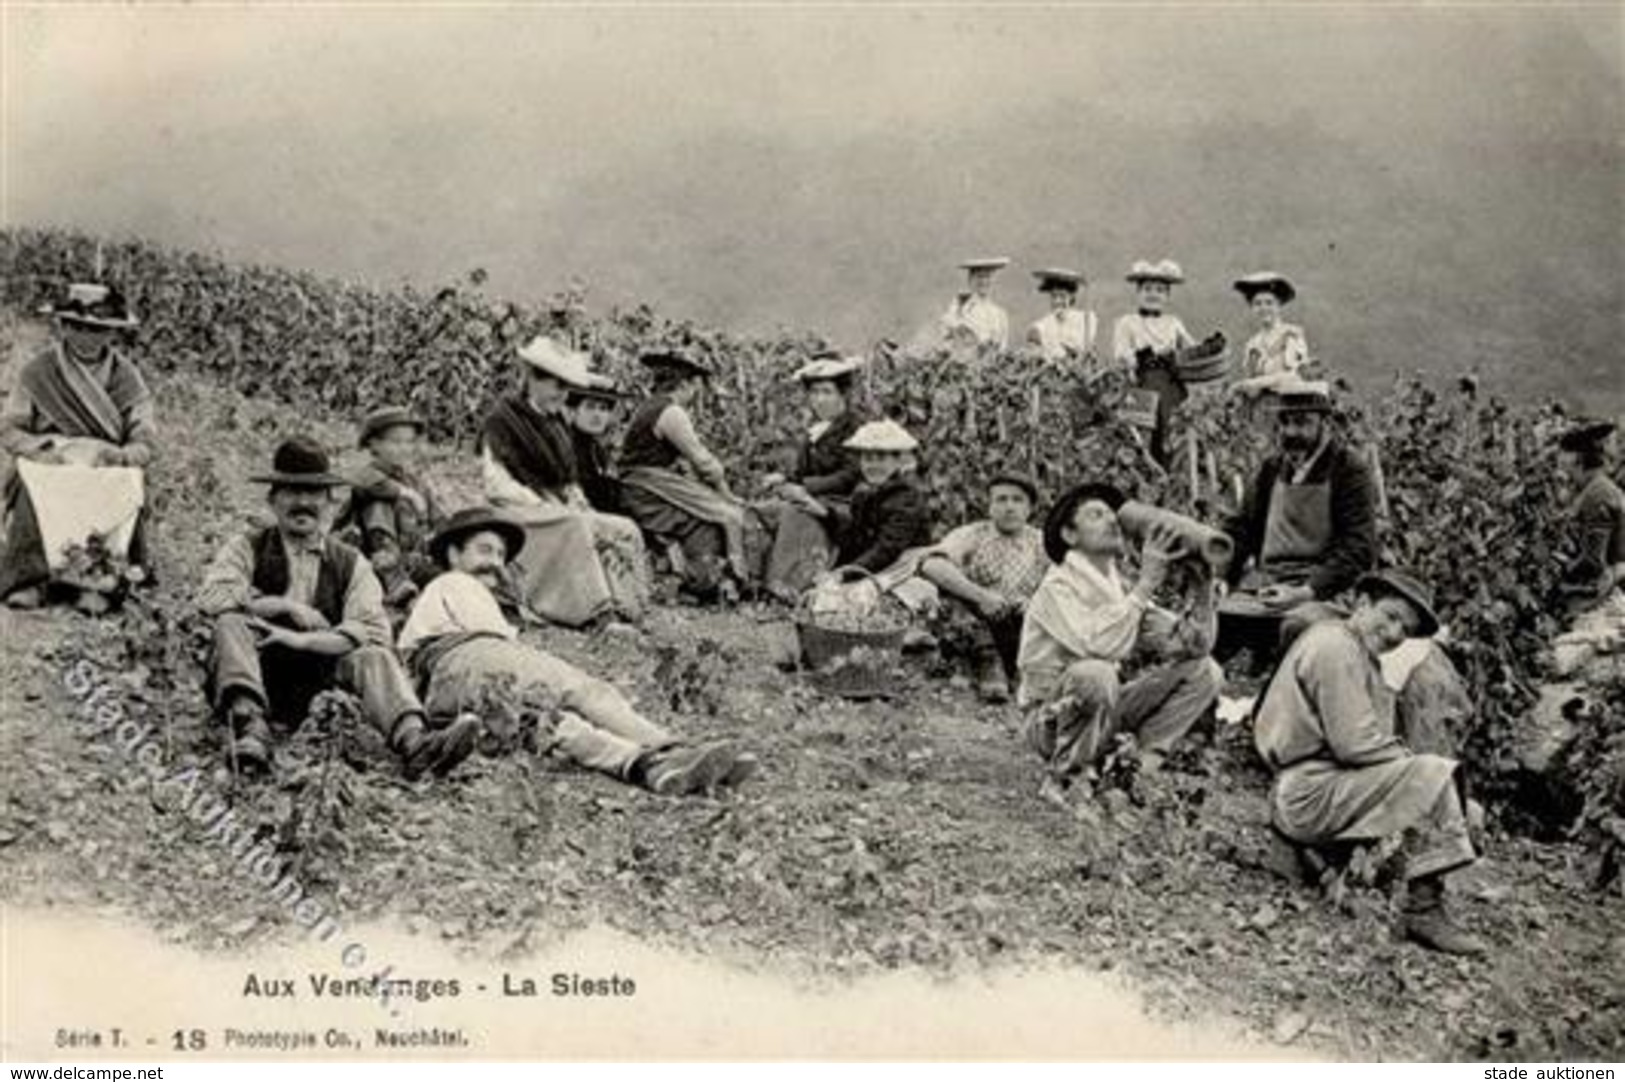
(228, 582)
(365, 622)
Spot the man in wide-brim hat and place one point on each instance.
(974, 317)
(1085, 621)
(1593, 581)
(1343, 774)
(297, 611)
(461, 646)
(694, 512)
(1306, 530)
(79, 425)
(1278, 349)
(392, 509)
(581, 564)
(1067, 332)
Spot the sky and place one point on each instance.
(1441, 180)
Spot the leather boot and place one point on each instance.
(250, 736)
(437, 750)
(683, 769)
(991, 683)
(1426, 920)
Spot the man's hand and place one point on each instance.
(111, 456)
(277, 635)
(46, 455)
(1284, 595)
(303, 617)
(1161, 548)
(994, 606)
(773, 481)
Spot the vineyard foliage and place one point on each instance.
(1474, 495)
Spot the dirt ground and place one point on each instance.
(879, 836)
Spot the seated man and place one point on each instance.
(1085, 622)
(1325, 726)
(79, 425)
(1308, 525)
(991, 568)
(1593, 582)
(391, 508)
(298, 611)
(457, 643)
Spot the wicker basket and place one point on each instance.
(851, 664)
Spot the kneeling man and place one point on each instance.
(1085, 622)
(1326, 728)
(457, 641)
(298, 611)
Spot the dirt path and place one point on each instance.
(882, 837)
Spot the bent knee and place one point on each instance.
(1091, 678)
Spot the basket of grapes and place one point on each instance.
(851, 635)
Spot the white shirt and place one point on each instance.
(1276, 351)
(1162, 333)
(986, 320)
(1070, 329)
(453, 603)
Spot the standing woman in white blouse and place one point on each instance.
(1279, 348)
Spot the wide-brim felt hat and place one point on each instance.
(670, 361)
(381, 420)
(1060, 515)
(300, 462)
(1163, 271)
(1395, 582)
(1052, 279)
(1585, 435)
(473, 520)
(1252, 285)
(985, 263)
(882, 436)
(92, 304)
(1302, 396)
(1015, 479)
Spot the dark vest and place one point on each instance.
(642, 445)
(338, 564)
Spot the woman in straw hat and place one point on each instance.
(1146, 340)
(1067, 333)
(1278, 349)
(578, 564)
(825, 471)
(886, 529)
(79, 427)
(974, 318)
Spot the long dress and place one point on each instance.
(802, 545)
(578, 564)
(51, 509)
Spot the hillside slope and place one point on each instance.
(880, 836)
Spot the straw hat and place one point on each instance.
(882, 436)
(1252, 285)
(565, 365)
(1165, 271)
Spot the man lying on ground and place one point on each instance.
(1326, 727)
(991, 568)
(297, 612)
(1085, 623)
(457, 643)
